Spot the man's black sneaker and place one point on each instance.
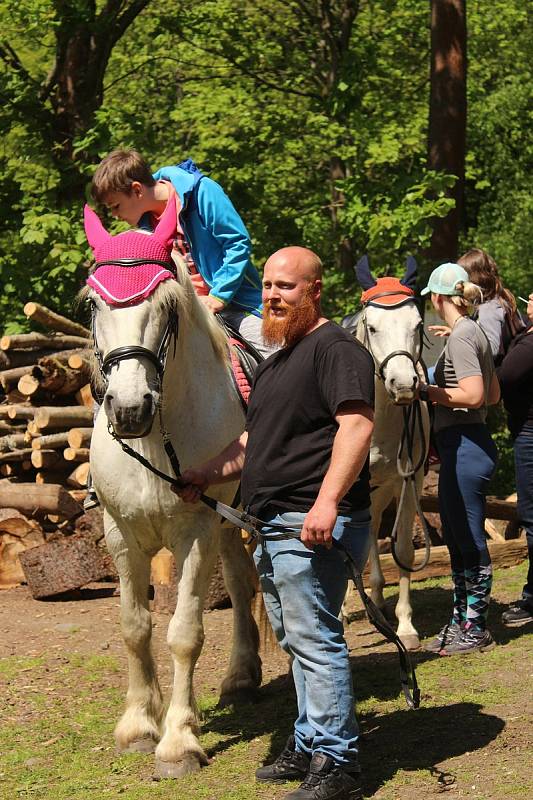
(448, 634)
(518, 613)
(290, 765)
(326, 780)
(470, 641)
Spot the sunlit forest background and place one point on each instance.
(350, 126)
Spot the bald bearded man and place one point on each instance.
(303, 461)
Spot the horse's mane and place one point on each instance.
(179, 296)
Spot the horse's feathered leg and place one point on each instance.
(240, 577)
(179, 752)
(138, 728)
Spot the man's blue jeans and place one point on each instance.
(303, 592)
(523, 456)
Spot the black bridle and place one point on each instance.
(126, 352)
(412, 423)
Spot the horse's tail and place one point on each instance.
(267, 638)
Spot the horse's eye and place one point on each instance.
(371, 329)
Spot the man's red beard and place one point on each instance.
(292, 327)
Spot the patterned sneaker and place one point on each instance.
(470, 641)
(518, 613)
(326, 780)
(290, 765)
(445, 636)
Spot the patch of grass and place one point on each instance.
(12, 666)
(57, 742)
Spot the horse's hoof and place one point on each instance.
(239, 697)
(144, 745)
(177, 769)
(411, 641)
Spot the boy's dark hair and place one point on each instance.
(117, 171)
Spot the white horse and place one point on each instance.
(201, 412)
(390, 326)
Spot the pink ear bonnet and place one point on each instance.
(127, 285)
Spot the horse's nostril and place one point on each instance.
(392, 381)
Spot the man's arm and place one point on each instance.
(350, 450)
(225, 467)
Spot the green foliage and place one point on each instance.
(318, 140)
(396, 223)
(499, 204)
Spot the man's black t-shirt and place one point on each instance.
(291, 421)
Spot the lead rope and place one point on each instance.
(412, 418)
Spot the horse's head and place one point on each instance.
(133, 318)
(391, 328)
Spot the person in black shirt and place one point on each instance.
(516, 380)
(304, 462)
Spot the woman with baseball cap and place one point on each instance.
(464, 385)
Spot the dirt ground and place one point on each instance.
(471, 738)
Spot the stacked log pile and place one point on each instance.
(46, 415)
(46, 419)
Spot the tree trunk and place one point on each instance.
(62, 417)
(28, 341)
(345, 256)
(79, 437)
(53, 321)
(447, 116)
(27, 497)
(62, 565)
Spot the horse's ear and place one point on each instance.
(94, 230)
(165, 231)
(363, 274)
(411, 269)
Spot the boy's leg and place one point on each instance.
(250, 327)
(91, 498)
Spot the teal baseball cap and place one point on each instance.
(444, 279)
